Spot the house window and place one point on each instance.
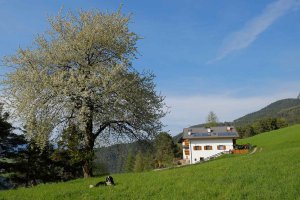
(186, 142)
(221, 147)
(197, 148)
(208, 147)
(186, 152)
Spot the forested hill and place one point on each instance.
(285, 108)
(112, 159)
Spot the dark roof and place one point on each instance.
(216, 132)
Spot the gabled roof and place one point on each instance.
(216, 132)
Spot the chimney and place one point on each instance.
(229, 128)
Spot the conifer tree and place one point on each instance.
(129, 165)
(164, 150)
(139, 162)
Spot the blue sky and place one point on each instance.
(232, 57)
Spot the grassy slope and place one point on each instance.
(273, 173)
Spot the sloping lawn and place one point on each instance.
(273, 172)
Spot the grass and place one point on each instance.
(272, 173)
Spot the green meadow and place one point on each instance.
(272, 172)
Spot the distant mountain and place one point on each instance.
(285, 108)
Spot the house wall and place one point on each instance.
(194, 155)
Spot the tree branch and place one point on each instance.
(106, 124)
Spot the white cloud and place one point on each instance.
(243, 38)
(191, 110)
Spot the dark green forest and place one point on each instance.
(124, 157)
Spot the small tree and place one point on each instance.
(148, 160)
(129, 165)
(249, 131)
(139, 162)
(20, 157)
(35, 165)
(143, 161)
(9, 148)
(8, 140)
(164, 149)
(211, 119)
(71, 150)
(281, 123)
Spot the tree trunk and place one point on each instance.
(89, 157)
(87, 169)
(89, 148)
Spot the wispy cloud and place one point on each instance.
(243, 38)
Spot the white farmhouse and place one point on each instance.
(203, 143)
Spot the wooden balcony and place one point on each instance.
(240, 151)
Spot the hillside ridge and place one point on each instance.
(284, 108)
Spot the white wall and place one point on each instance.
(196, 154)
